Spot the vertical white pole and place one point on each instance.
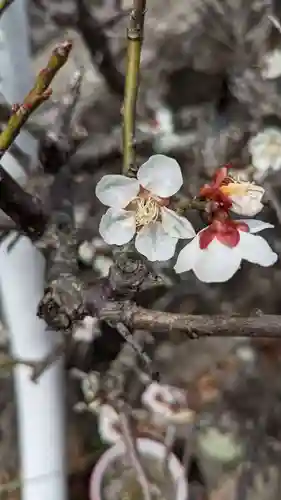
(40, 406)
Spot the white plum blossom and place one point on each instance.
(140, 206)
(245, 196)
(108, 421)
(272, 65)
(168, 404)
(265, 149)
(216, 253)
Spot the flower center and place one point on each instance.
(147, 210)
(226, 232)
(235, 188)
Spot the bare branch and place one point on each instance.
(96, 40)
(194, 327)
(133, 455)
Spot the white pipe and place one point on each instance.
(40, 407)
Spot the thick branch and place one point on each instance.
(194, 326)
(135, 36)
(37, 95)
(25, 210)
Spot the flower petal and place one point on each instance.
(116, 190)
(175, 225)
(187, 256)
(245, 205)
(218, 263)
(161, 175)
(108, 419)
(272, 65)
(255, 225)
(117, 227)
(261, 164)
(263, 139)
(255, 249)
(153, 242)
(275, 162)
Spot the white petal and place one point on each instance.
(156, 397)
(255, 225)
(175, 225)
(218, 263)
(165, 119)
(245, 205)
(255, 249)
(107, 420)
(261, 163)
(161, 175)
(117, 227)
(116, 190)
(153, 242)
(161, 398)
(264, 138)
(187, 256)
(272, 67)
(275, 162)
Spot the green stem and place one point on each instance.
(135, 37)
(38, 94)
(4, 4)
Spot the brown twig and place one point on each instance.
(133, 455)
(37, 95)
(96, 40)
(135, 36)
(194, 327)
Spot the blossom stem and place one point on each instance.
(37, 95)
(135, 37)
(182, 204)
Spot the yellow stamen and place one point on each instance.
(147, 211)
(236, 188)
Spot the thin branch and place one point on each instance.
(37, 95)
(8, 362)
(169, 442)
(96, 40)
(133, 455)
(193, 326)
(4, 4)
(60, 142)
(135, 37)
